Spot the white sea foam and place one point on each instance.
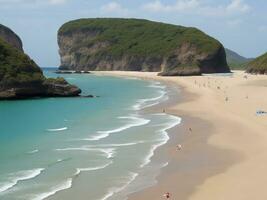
(151, 153)
(108, 152)
(165, 165)
(79, 170)
(113, 191)
(174, 122)
(144, 103)
(156, 84)
(33, 151)
(117, 145)
(125, 144)
(63, 186)
(108, 195)
(135, 121)
(131, 78)
(74, 149)
(96, 137)
(63, 159)
(16, 177)
(57, 129)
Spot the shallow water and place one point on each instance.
(82, 148)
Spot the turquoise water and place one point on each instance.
(82, 148)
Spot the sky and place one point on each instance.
(240, 25)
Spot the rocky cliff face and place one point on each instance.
(20, 77)
(10, 37)
(138, 45)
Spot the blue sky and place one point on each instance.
(240, 25)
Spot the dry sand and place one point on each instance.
(225, 156)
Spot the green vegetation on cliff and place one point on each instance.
(235, 60)
(259, 65)
(140, 37)
(10, 37)
(138, 45)
(16, 67)
(20, 77)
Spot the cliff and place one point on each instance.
(235, 60)
(20, 77)
(10, 37)
(138, 45)
(258, 66)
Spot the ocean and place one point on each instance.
(83, 148)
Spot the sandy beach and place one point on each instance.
(225, 154)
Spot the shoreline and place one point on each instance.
(210, 153)
(165, 180)
(168, 178)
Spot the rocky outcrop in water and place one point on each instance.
(138, 45)
(20, 77)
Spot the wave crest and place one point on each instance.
(135, 121)
(57, 129)
(14, 178)
(63, 186)
(79, 170)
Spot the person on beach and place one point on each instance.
(179, 147)
(190, 130)
(167, 195)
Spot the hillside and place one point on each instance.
(10, 37)
(236, 61)
(20, 77)
(138, 45)
(258, 66)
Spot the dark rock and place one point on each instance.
(88, 96)
(63, 72)
(71, 72)
(21, 78)
(10, 37)
(60, 88)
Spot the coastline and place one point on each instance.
(194, 163)
(210, 152)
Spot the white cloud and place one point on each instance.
(238, 6)
(180, 5)
(199, 7)
(55, 2)
(33, 2)
(114, 8)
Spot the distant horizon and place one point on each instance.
(238, 24)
